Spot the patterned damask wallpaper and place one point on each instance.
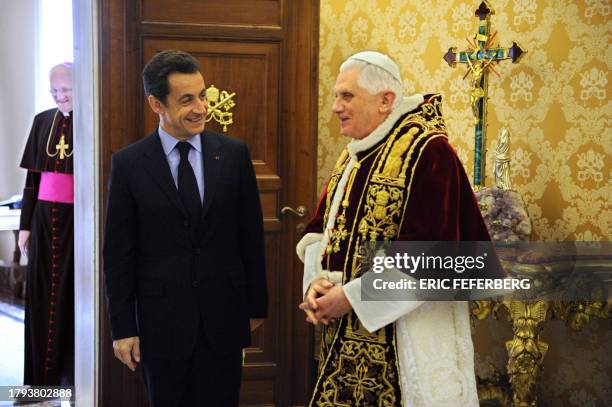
(554, 103)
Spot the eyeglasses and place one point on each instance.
(63, 91)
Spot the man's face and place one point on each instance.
(61, 89)
(183, 116)
(359, 111)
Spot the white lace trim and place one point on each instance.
(436, 356)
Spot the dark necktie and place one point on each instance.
(187, 184)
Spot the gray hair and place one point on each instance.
(374, 79)
(67, 66)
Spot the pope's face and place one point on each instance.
(359, 111)
(61, 89)
(184, 113)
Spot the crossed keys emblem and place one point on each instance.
(219, 105)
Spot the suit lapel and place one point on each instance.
(211, 153)
(156, 164)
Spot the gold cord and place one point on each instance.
(62, 143)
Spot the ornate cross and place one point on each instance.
(62, 147)
(479, 58)
(361, 381)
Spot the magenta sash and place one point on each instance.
(56, 187)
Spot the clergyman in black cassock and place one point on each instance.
(47, 237)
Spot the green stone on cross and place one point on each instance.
(479, 58)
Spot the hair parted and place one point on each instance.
(156, 71)
(375, 79)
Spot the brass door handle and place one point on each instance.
(300, 211)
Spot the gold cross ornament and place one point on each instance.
(62, 147)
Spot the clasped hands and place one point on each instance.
(324, 302)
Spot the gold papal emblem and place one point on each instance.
(219, 105)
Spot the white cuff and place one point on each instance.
(312, 265)
(307, 240)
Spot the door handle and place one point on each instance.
(300, 211)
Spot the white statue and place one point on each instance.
(502, 161)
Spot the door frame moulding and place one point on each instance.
(87, 200)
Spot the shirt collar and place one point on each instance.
(169, 142)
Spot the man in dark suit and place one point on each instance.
(183, 248)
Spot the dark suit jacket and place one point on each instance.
(166, 278)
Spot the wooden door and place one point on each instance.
(266, 52)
